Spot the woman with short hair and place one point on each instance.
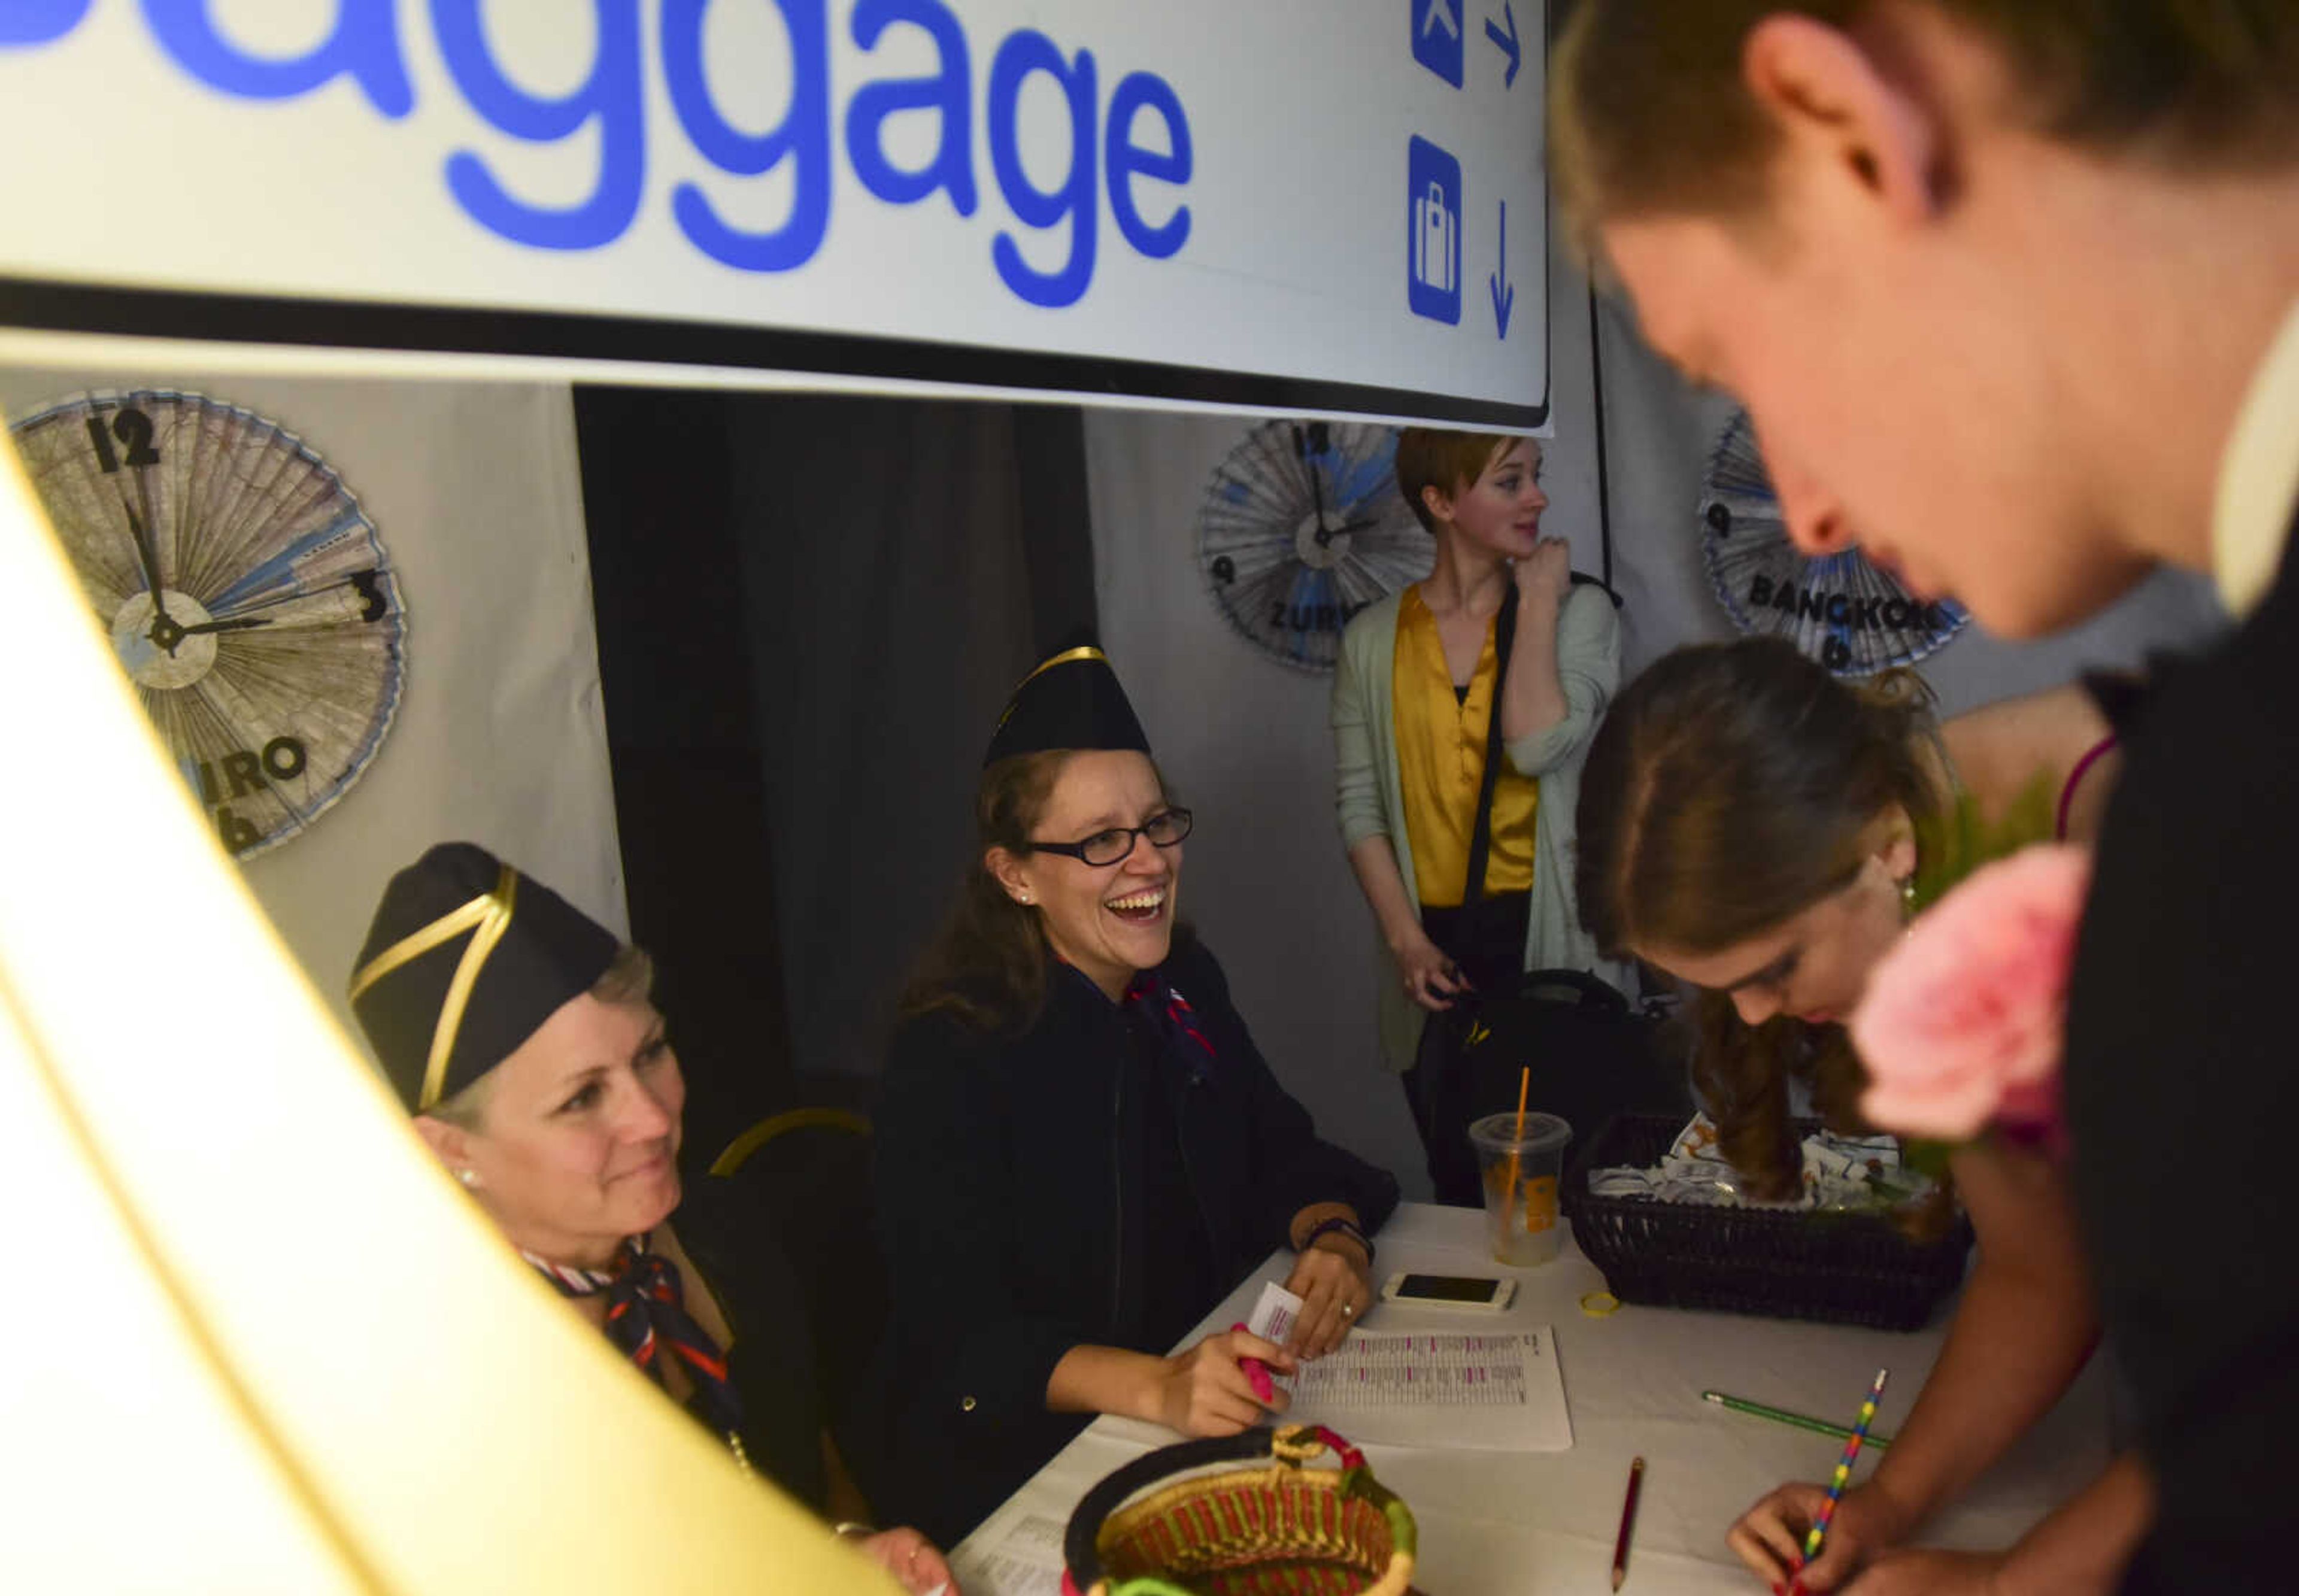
(1422, 706)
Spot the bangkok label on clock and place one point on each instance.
(244, 590)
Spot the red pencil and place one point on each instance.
(1627, 1523)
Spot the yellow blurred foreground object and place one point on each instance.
(254, 1339)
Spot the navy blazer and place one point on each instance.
(1010, 1179)
(2182, 1089)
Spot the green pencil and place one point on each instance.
(1782, 1416)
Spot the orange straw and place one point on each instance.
(1508, 1192)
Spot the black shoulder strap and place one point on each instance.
(1481, 840)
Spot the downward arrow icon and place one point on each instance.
(1504, 295)
(1507, 42)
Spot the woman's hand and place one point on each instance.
(1203, 1391)
(1770, 1536)
(911, 1558)
(1330, 1277)
(1431, 978)
(1543, 576)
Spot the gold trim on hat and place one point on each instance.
(487, 916)
(1067, 657)
(1083, 652)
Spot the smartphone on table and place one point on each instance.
(1476, 1291)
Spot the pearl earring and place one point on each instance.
(1025, 897)
(1908, 893)
(469, 1177)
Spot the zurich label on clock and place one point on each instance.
(245, 592)
(1300, 529)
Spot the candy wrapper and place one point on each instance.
(1841, 1174)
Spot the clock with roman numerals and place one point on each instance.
(245, 592)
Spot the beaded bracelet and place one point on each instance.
(1347, 1227)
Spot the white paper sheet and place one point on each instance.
(1024, 1560)
(1473, 1392)
(1274, 1313)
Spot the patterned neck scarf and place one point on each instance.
(1171, 1019)
(647, 1316)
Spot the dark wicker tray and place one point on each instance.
(1844, 1268)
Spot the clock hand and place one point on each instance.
(1305, 444)
(145, 554)
(164, 631)
(206, 627)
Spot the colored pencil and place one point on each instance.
(1627, 1523)
(1844, 1467)
(1782, 1416)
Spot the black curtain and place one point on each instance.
(810, 610)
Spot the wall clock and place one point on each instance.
(1302, 527)
(1837, 608)
(245, 592)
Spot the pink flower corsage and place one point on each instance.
(1963, 1024)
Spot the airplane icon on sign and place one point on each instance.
(1439, 40)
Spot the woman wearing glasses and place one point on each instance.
(1079, 1148)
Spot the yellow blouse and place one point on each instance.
(1440, 762)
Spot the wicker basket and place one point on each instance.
(1282, 1529)
(1845, 1268)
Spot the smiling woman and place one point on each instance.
(1079, 1148)
(518, 1033)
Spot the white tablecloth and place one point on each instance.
(1505, 1523)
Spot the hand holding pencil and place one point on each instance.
(1770, 1536)
(1818, 1532)
(1207, 1389)
(1807, 1537)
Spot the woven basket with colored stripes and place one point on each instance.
(1277, 1530)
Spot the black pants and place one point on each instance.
(1488, 943)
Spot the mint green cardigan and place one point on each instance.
(1369, 800)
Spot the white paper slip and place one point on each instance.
(1274, 1315)
(1480, 1392)
(1027, 1561)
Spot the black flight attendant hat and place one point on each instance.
(1072, 699)
(465, 959)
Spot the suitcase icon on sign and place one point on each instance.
(1432, 238)
(1433, 242)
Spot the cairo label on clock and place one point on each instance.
(245, 592)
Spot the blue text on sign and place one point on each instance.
(1140, 136)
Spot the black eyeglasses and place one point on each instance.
(1164, 830)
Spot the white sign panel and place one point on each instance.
(1289, 205)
